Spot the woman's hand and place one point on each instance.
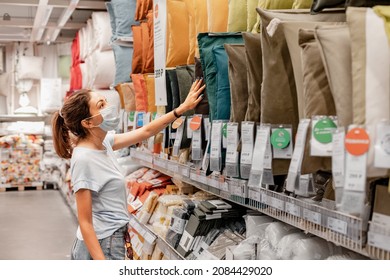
(193, 98)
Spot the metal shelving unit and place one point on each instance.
(334, 226)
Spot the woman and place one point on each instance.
(80, 133)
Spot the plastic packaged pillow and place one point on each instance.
(255, 224)
(102, 30)
(313, 248)
(277, 230)
(30, 67)
(284, 247)
(246, 250)
(266, 251)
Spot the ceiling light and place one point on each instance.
(6, 16)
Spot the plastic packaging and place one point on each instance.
(284, 247)
(265, 251)
(313, 248)
(247, 249)
(276, 231)
(256, 224)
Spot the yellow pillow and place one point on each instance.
(177, 33)
(191, 30)
(302, 4)
(218, 12)
(251, 14)
(201, 20)
(149, 78)
(271, 5)
(237, 18)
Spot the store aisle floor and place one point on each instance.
(35, 225)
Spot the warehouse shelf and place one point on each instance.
(334, 226)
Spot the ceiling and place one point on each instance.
(44, 21)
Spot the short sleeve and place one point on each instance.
(109, 140)
(85, 184)
(82, 175)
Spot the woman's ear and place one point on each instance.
(86, 124)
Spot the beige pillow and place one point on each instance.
(335, 50)
(369, 69)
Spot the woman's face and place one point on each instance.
(97, 103)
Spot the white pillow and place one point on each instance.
(91, 37)
(51, 95)
(82, 43)
(103, 69)
(84, 75)
(102, 30)
(30, 67)
(4, 83)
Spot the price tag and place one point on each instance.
(265, 199)
(293, 209)
(216, 149)
(232, 143)
(312, 216)
(321, 138)
(223, 186)
(296, 161)
(189, 130)
(337, 225)
(338, 158)
(234, 188)
(160, 163)
(247, 131)
(382, 145)
(173, 167)
(276, 203)
(281, 142)
(254, 195)
(140, 119)
(179, 137)
(213, 182)
(207, 126)
(355, 174)
(185, 171)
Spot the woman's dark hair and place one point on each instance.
(68, 119)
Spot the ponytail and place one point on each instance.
(61, 138)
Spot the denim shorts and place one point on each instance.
(113, 247)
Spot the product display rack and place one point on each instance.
(334, 226)
(150, 235)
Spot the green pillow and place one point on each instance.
(64, 63)
(206, 42)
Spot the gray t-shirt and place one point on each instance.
(100, 172)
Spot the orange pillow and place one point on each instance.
(191, 31)
(137, 49)
(149, 78)
(200, 20)
(218, 13)
(149, 64)
(141, 95)
(177, 33)
(127, 96)
(145, 44)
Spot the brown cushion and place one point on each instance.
(137, 50)
(149, 63)
(335, 49)
(278, 94)
(317, 97)
(203, 106)
(238, 81)
(253, 57)
(127, 96)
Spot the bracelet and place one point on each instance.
(176, 114)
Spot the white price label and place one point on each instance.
(254, 195)
(173, 167)
(185, 171)
(223, 186)
(212, 182)
(247, 142)
(312, 216)
(232, 143)
(338, 158)
(337, 225)
(293, 209)
(355, 174)
(265, 199)
(277, 203)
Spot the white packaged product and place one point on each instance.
(313, 248)
(276, 231)
(265, 251)
(247, 249)
(284, 247)
(256, 224)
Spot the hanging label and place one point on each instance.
(216, 149)
(296, 161)
(258, 158)
(140, 119)
(281, 142)
(357, 142)
(382, 145)
(293, 209)
(312, 216)
(247, 139)
(337, 225)
(207, 126)
(196, 143)
(178, 122)
(179, 137)
(338, 158)
(224, 135)
(189, 130)
(322, 133)
(231, 150)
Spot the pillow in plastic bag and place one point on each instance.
(265, 251)
(284, 247)
(246, 250)
(30, 67)
(255, 222)
(276, 231)
(314, 248)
